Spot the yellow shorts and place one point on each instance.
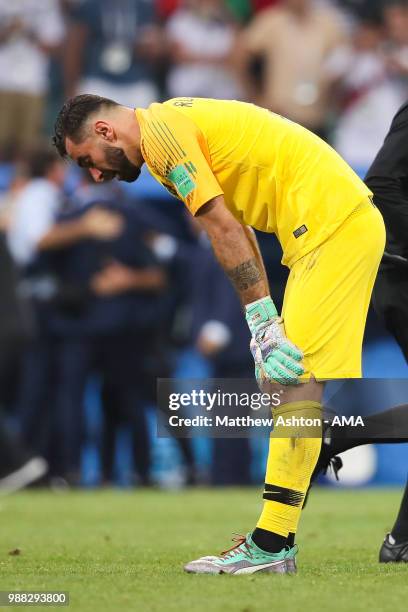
(328, 294)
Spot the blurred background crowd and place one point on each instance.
(105, 288)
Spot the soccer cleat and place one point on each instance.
(393, 552)
(291, 566)
(243, 558)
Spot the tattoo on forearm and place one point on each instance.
(245, 275)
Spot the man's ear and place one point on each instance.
(105, 130)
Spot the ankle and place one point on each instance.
(268, 541)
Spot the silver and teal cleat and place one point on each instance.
(245, 558)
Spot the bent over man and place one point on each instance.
(237, 166)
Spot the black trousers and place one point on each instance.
(390, 300)
(12, 454)
(51, 397)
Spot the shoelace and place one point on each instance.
(335, 464)
(239, 541)
(289, 549)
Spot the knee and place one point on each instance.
(298, 419)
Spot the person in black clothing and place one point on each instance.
(110, 332)
(388, 180)
(19, 466)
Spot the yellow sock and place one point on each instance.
(291, 462)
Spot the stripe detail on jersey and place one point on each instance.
(165, 148)
(168, 140)
(167, 151)
(174, 139)
(157, 157)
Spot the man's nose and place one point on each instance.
(96, 174)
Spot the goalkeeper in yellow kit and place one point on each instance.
(236, 167)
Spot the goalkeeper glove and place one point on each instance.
(276, 358)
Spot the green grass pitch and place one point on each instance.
(122, 550)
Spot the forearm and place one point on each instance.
(50, 50)
(237, 255)
(254, 241)
(149, 279)
(235, 250)
(61, 235)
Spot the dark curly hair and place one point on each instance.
(72, 118)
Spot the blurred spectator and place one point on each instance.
(367, 95)
(221, 336)
(116, 333)
(29, 32)
(36, 205)
(102, 306)
(202, 38)
(112, 48)
(18, 467)
(33, 232)
(396, 21)
(33, 228)
(294, 40)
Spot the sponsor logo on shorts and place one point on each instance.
(184, 102)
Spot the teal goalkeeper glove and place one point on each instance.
(276, 358)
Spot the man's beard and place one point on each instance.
(121, 167)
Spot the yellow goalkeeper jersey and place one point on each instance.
(275, 175)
